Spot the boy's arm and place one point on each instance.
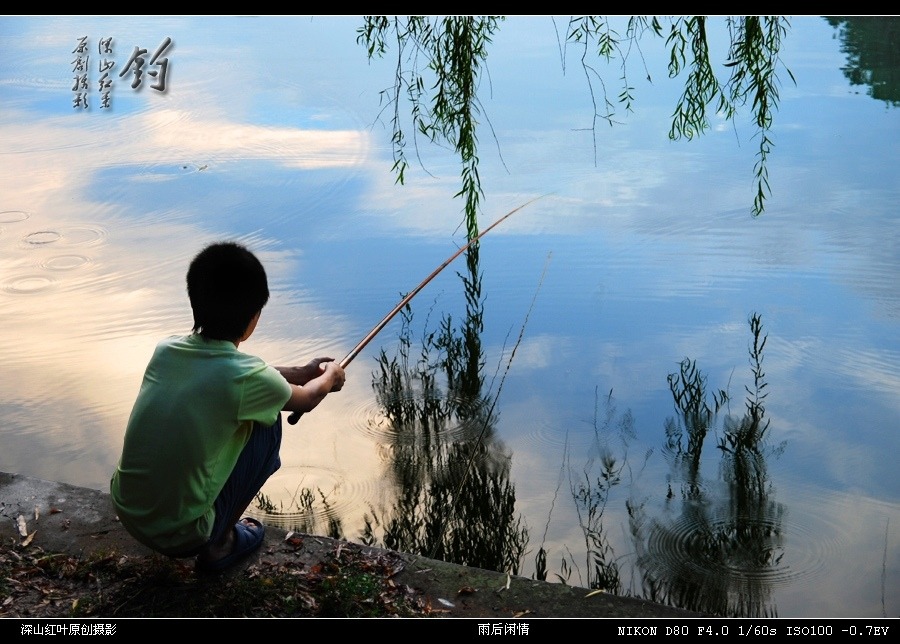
(305, 397)
(302, 375)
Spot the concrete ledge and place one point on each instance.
(80, 521)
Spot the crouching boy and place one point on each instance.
(205, 431)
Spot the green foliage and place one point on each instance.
(440, 62)
(755, 43)
(701, 88)
(455, 49)
(753, 58)
(351, 593)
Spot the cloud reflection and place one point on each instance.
(77, 347)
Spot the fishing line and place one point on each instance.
(490, 412)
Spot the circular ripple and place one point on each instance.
(29, 284)
(42, 237)
(724, 552)
(65, 262)
(310, 499)
(558, 435)
(13, 216)
(173, 169)
(84, 235)
(411, 419)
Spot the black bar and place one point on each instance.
(718, 629)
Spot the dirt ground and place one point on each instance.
(68, 555)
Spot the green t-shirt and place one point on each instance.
(194, 414)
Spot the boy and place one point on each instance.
(205, 431)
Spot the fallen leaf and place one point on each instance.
(37, 513)
(23, 528)
(446, 603)
(28, 539)
(594, 592)
(55, 510)
(466, 590)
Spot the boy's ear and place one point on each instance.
(251, 327)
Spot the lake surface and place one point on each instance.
(533, 426)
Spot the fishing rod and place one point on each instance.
(295, 416)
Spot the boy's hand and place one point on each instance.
(301, 375)
(320, 377)
(334, 371)
(315, 362)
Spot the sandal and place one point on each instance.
(247, 539)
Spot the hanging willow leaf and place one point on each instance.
(440, 62)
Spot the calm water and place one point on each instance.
(565, 457)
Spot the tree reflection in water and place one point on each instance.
(714, 548)
(591, 487)
(454, 499)
(715, 553)
(872, 46)
(709, 551)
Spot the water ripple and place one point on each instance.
(411, 424)
(310, 499)
(764, 549)
(84, 235)
(74, 235)
(13, 216)
(41, 237)
(28, 284)
(65, 262)
(167, 170)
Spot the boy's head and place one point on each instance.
(227, 287)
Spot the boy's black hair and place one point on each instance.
(227, 286)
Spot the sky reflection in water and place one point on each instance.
(269, 134)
